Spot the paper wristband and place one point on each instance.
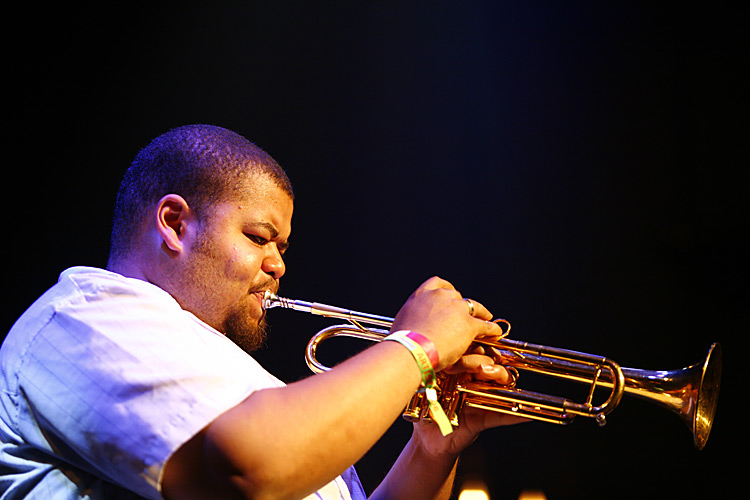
(427, 345)
(426, 368)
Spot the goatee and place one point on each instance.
(248, 336)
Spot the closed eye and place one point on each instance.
(258, 240)
(262, 227)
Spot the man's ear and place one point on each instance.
(172, 218)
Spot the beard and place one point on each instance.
(247, 334)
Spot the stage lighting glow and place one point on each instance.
(532, 495)
(474, 490)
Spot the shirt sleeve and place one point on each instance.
(117, 381)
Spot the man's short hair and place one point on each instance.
(202, 163)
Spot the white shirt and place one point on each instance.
(102, 379)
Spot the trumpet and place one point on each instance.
(691, 393)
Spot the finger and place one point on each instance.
(435, 283)
(481, 367)
(469, 363)
(478, 349)
(489, 329)
(478, 310)
(494, 373)
(498, 356)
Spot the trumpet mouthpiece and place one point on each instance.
(271, 300)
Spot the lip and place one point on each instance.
(261, 294)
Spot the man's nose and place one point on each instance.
(273, 263)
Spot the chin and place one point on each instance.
(249, 335)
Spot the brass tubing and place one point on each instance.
(691, 393)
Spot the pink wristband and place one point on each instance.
(426, 356)
(427, 346)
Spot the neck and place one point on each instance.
(126, 267)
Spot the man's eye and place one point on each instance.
(256, 239)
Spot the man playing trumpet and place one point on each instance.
(136, 382)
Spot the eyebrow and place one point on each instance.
(268, 226)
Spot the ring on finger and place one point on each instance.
(471, 306)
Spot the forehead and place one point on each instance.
(259, 199)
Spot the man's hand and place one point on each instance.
(426, 468)
(437, 311)
(476, 365)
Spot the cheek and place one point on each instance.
(241, 265)
(232, 267)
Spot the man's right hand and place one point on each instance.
(439, 312)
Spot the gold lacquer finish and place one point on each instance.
(691, 393)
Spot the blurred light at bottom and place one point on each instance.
(474, 490)
(532, 495)
(477, 490)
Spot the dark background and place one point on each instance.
(575, 166)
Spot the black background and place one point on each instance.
(575, 166)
